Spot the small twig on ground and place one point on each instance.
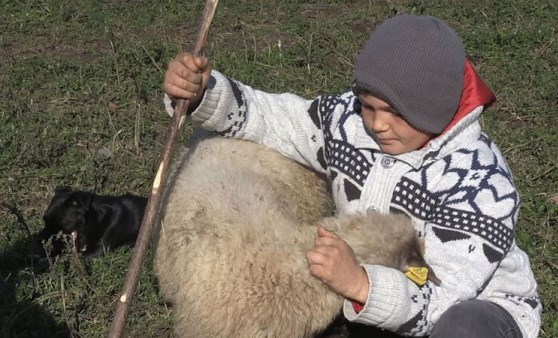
(137, 130)
(546, 172)
(523, 145)
(152, 59)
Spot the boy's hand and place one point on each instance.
(333, 261)
(187, 77)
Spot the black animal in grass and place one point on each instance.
(97, 222)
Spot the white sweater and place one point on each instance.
(458, 190)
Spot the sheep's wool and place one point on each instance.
(230, 251)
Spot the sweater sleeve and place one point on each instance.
(468, 207)
(286, 122)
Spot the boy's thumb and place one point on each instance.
(322, 232)
(201, 62)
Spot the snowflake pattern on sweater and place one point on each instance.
(458, 190)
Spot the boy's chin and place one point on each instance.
(396, 148)
(392, 150)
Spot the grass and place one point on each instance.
(81, 105)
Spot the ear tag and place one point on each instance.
(419, 275)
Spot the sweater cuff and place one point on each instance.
(386, 305)
(215, 104)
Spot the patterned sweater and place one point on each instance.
(458, 190)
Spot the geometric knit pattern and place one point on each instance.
(460, 206)
(339, 155)
(237, 118)
(420, 203)
(344, 158)
(418, 323)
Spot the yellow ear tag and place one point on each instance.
(418, 275)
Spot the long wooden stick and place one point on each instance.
(159, 184)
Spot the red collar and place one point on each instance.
(475, 93)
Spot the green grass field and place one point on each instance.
(81, 105)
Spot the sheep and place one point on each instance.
(230, 252)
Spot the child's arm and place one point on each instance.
(469, 238)
(288, 123)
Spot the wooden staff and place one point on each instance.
(159, 185)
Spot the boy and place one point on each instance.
(405, 138)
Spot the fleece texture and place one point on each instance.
(230, 253)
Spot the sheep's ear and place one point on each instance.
(432, 276)
(62, 189)
(421, 246)
(415, 258)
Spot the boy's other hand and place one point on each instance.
(187, 77)
(333, 262)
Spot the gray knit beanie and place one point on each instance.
(417, 65)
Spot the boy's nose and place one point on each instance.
(380, 122)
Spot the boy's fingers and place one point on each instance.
(181, 71)
(321, 250)
(190, 78)
(188, 61)
(325, 241)
(176, 82)
(315, 257)
(178, 92)
(322, 232)
(317, 271)
(201, 63)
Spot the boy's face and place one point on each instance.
(392, 132)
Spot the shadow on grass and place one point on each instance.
(21, 313)
(24, 318)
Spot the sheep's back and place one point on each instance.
(233, 237)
